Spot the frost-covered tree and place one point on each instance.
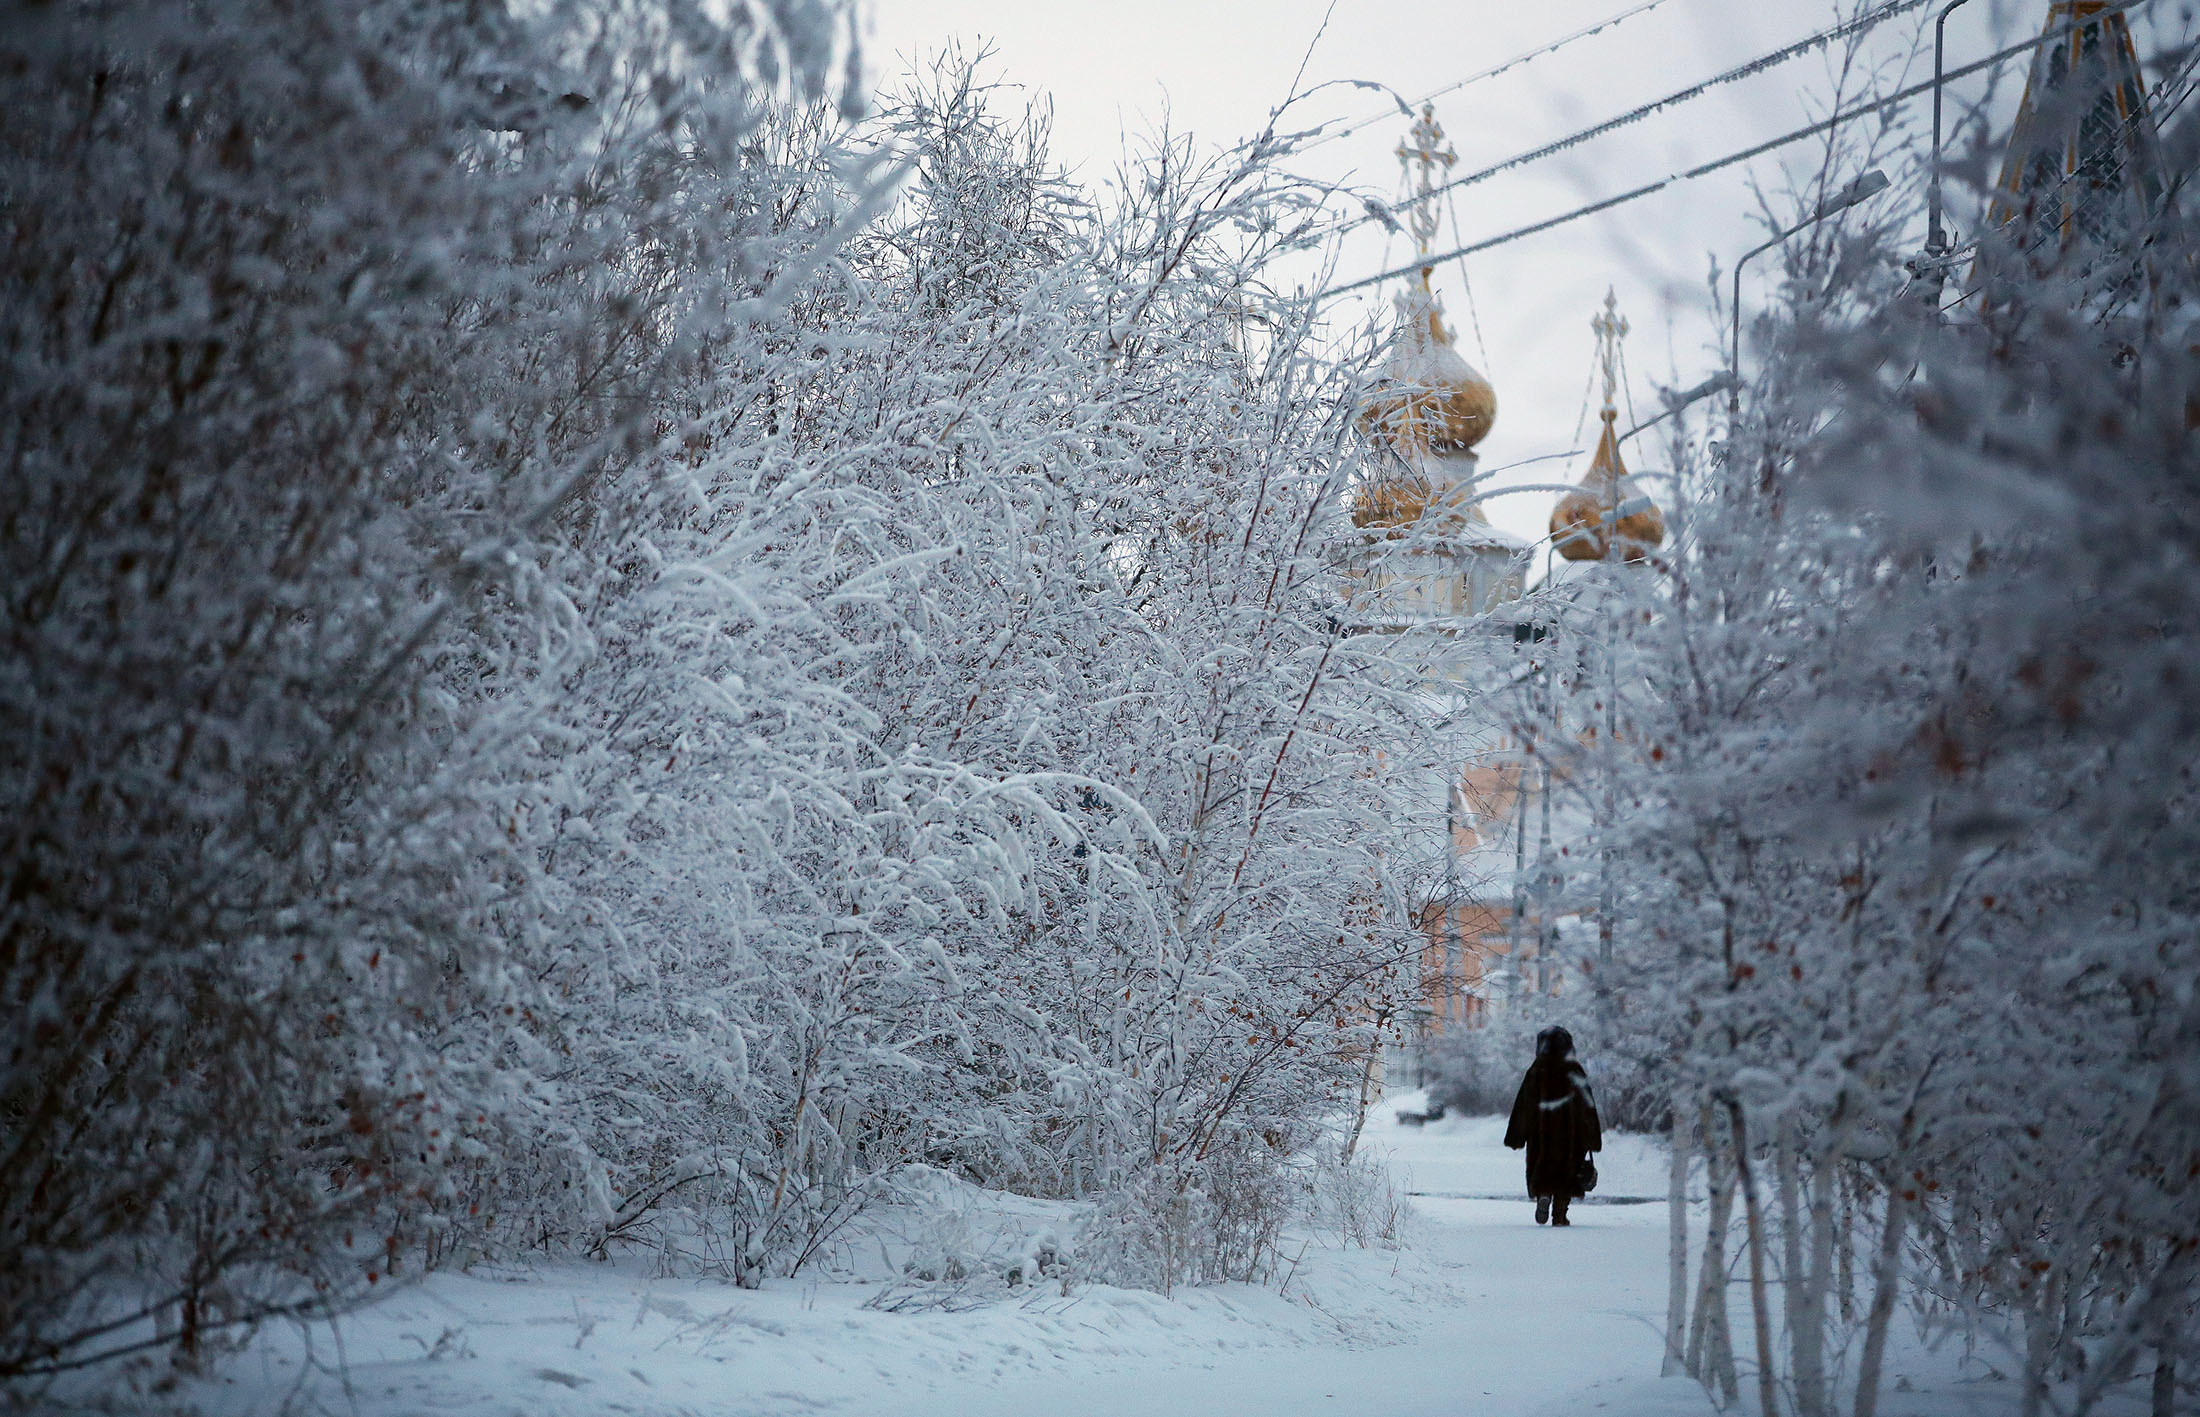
(315, 320)
(1907, 752)
(602, 655)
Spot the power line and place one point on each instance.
(1754, 66)
(1703, 169)
(1387, 216)
(1468, 285)
(1494, 70)
(1635, 115)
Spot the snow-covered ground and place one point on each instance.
(1487, 1315)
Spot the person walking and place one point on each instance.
(1555, 1117)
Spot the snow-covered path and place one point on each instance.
(1487, 1315)
(1519, 1319)
(1544, 1321)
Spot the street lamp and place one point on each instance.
(1930, 268)
(1859, 190)
(1936, 240)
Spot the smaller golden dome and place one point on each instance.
(1577, 522)
(1428, 398)
(1390, 502)
(1431, 491)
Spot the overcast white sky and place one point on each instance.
(1215, 67)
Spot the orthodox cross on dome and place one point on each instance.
(1421, 150)
(1610, 327)
(1428, 407)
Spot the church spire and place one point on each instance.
(1421, 157)
(1607, 495)
(1610, 327)
(1429, 407)
(2084, 162)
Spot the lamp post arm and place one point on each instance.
(1734, 310)
(1718, 383)
(1854, 193)
(1936, 240)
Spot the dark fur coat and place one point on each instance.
(1555, 1117)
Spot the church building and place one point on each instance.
(2081, 190)
(1430, 568)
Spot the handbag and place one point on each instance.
(1585, 1180)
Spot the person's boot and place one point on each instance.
(1542, 1209)
(1558, 1215)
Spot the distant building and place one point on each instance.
(1429, 566)
(1427, 548)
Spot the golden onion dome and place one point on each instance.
(1428, 399)
(1392, 501)
(1401, 495)
(1577, 522)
